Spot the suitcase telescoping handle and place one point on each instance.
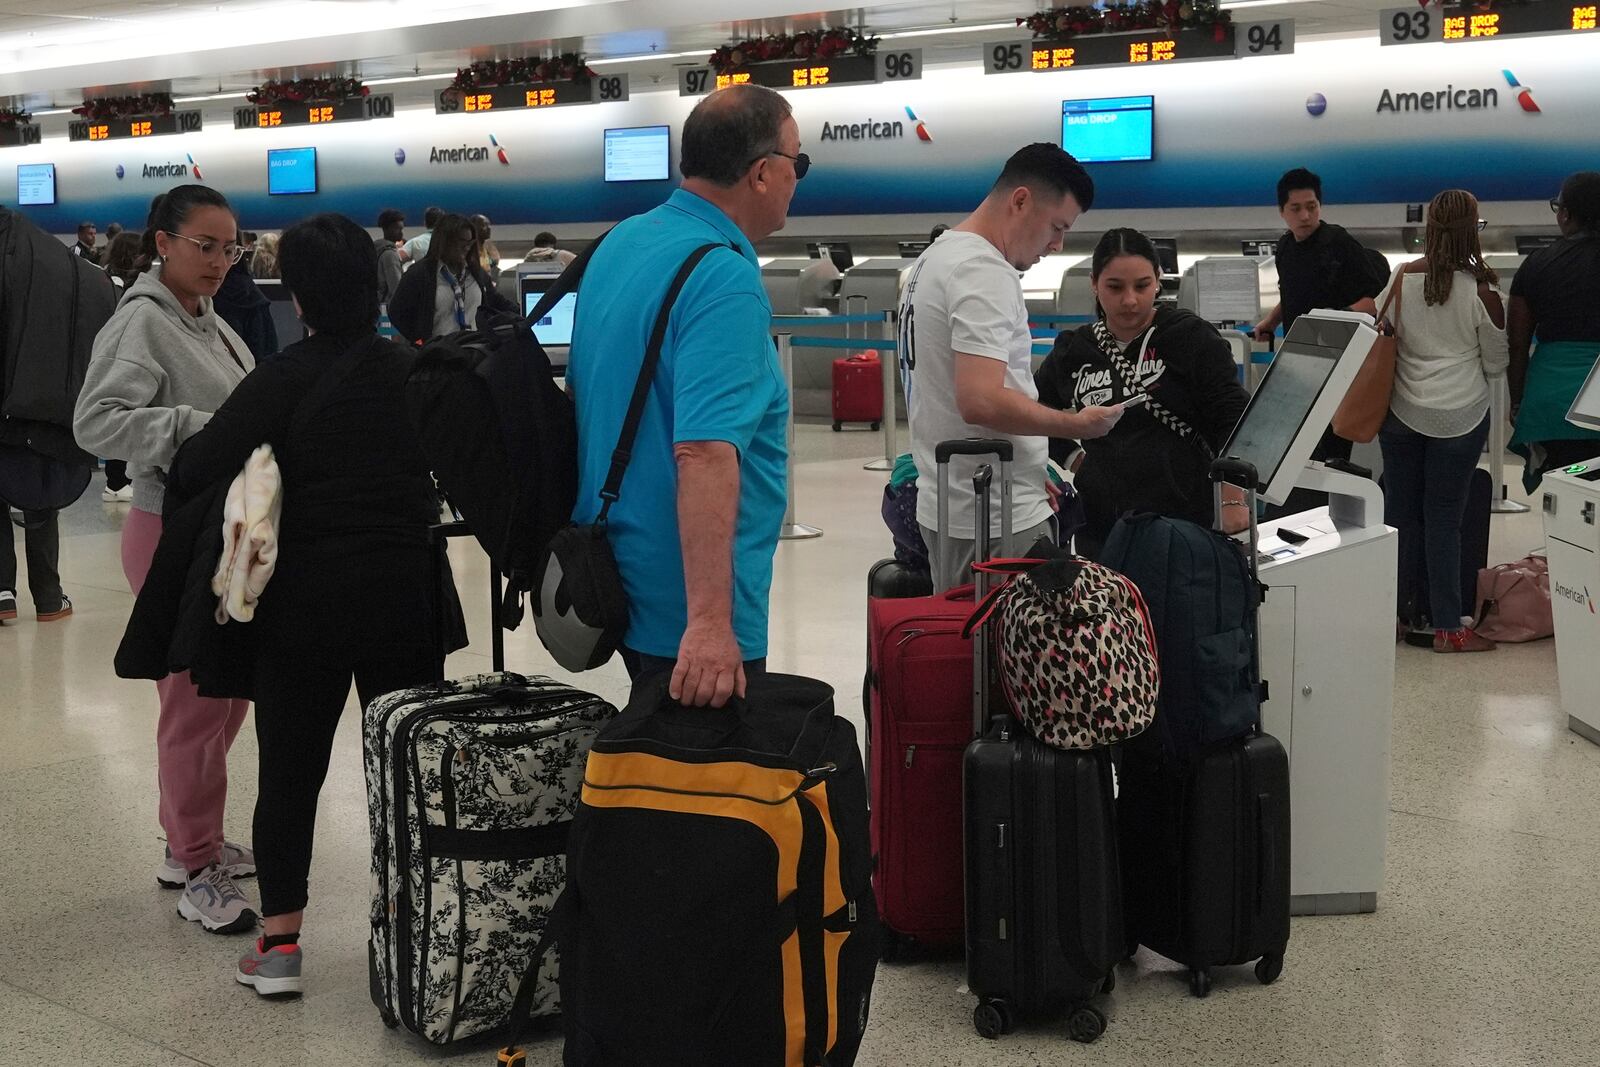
(974, 446)
(981, 479)
(438, 534)
(1240, 473)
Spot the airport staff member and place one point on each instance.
(84, 248)
(966, 352)
(1319, 266)
(701, 505)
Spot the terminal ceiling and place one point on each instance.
(51, 50)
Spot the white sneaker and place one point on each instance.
(213, 900)
(117, 496)
(238, 860)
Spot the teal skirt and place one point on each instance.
(1556, 372)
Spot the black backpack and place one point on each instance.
(501, 436)
(1204, 606)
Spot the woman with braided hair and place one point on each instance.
(1452, 340)
(1555, 297)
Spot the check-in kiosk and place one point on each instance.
(1327, 623)
(1226, 292)
(554, 330)
(794, 284)
(875, 281)
(1076, 294)
(1571, 501)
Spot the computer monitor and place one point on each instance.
(1296, 399)
(36, 184)
(913, 249)
(1529, 243)
(1585, 409)
(838, 251)
(1167, 252)
(291, 171)
(555, 329)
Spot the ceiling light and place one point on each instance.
(985, 28)
(1261, 3)
(648, 56)
(201, 99)
(410, 78)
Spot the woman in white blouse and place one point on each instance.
(1452, 340)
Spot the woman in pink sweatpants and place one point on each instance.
(162, 364)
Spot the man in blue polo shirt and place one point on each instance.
(703, 499)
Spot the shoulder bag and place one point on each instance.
(1361, 413)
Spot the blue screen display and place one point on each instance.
(1115, 129)
(641, 154)
(36, 184)
(291, 171)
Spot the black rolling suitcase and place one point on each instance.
(1204, 838)
(1044, 928)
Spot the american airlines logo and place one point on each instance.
(1575, 595)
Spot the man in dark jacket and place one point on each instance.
(390, 265)
(1319, 266)
(43, 355)
(85, 249)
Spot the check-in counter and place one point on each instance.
(795, 284)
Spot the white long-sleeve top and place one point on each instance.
(1447, 354)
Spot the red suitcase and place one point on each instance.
(857, 390)
(920, 673)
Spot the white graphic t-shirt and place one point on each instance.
(962, 296)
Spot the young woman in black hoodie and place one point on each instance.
(1158, 457)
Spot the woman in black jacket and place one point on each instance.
(353, 593)
(1157, 459)
(443, 293)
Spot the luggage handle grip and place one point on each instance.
(1237, 471)
(972, 446)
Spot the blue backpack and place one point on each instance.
(1204, 605)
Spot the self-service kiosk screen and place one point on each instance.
(1282, 403)
(555, 329)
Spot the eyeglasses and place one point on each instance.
(1555, 204)
(1483, 224)
(231, 251)
(802, 162)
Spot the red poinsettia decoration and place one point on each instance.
(811, 44)
(567, 67)
(1060, 23)
(307, 90)
(13, 117)
(110, 108)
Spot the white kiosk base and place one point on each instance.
(1572, 539)
(1327, 655)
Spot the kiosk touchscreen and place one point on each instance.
(555, 329)
(1296, 399)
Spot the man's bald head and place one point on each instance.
(729, 130)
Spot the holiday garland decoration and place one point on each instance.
(488, 73)
(1063, 23)
(333, 90)
(110, 108)
(11, 118)
(811, 44)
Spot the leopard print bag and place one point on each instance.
(1077, 651)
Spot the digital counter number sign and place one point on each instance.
(154, 126)
(601, 90)
(276, 116)
(903, 65)
(1456, 23)
(1140, 48)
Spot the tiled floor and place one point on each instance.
(1485, 949)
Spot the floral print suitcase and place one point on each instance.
(471, 788)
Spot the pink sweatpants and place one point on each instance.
(193, 734)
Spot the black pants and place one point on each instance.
(298, 702)
(117, 474)
(42, 544)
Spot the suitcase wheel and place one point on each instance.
(874, 427)
(1269, 967)
(991, 1018)
(1110, 984)
(837, 425)
(1085, 1024)
(1200, 982)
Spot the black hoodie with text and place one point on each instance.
(1142, 465)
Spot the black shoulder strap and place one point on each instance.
(610, 492)
(571, 275)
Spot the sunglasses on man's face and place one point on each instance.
(1555, 204)
(802, 162)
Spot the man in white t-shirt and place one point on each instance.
(966, 353)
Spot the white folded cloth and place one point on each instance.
(249, 537)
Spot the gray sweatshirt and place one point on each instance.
(156, 376)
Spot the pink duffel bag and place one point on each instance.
(1514, 601)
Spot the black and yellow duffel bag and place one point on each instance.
(719, 905)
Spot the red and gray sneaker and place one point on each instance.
(239, 860)
(273, 972)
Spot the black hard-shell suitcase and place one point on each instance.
(1205, 839)
(1044, 903)
(1044, 928)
